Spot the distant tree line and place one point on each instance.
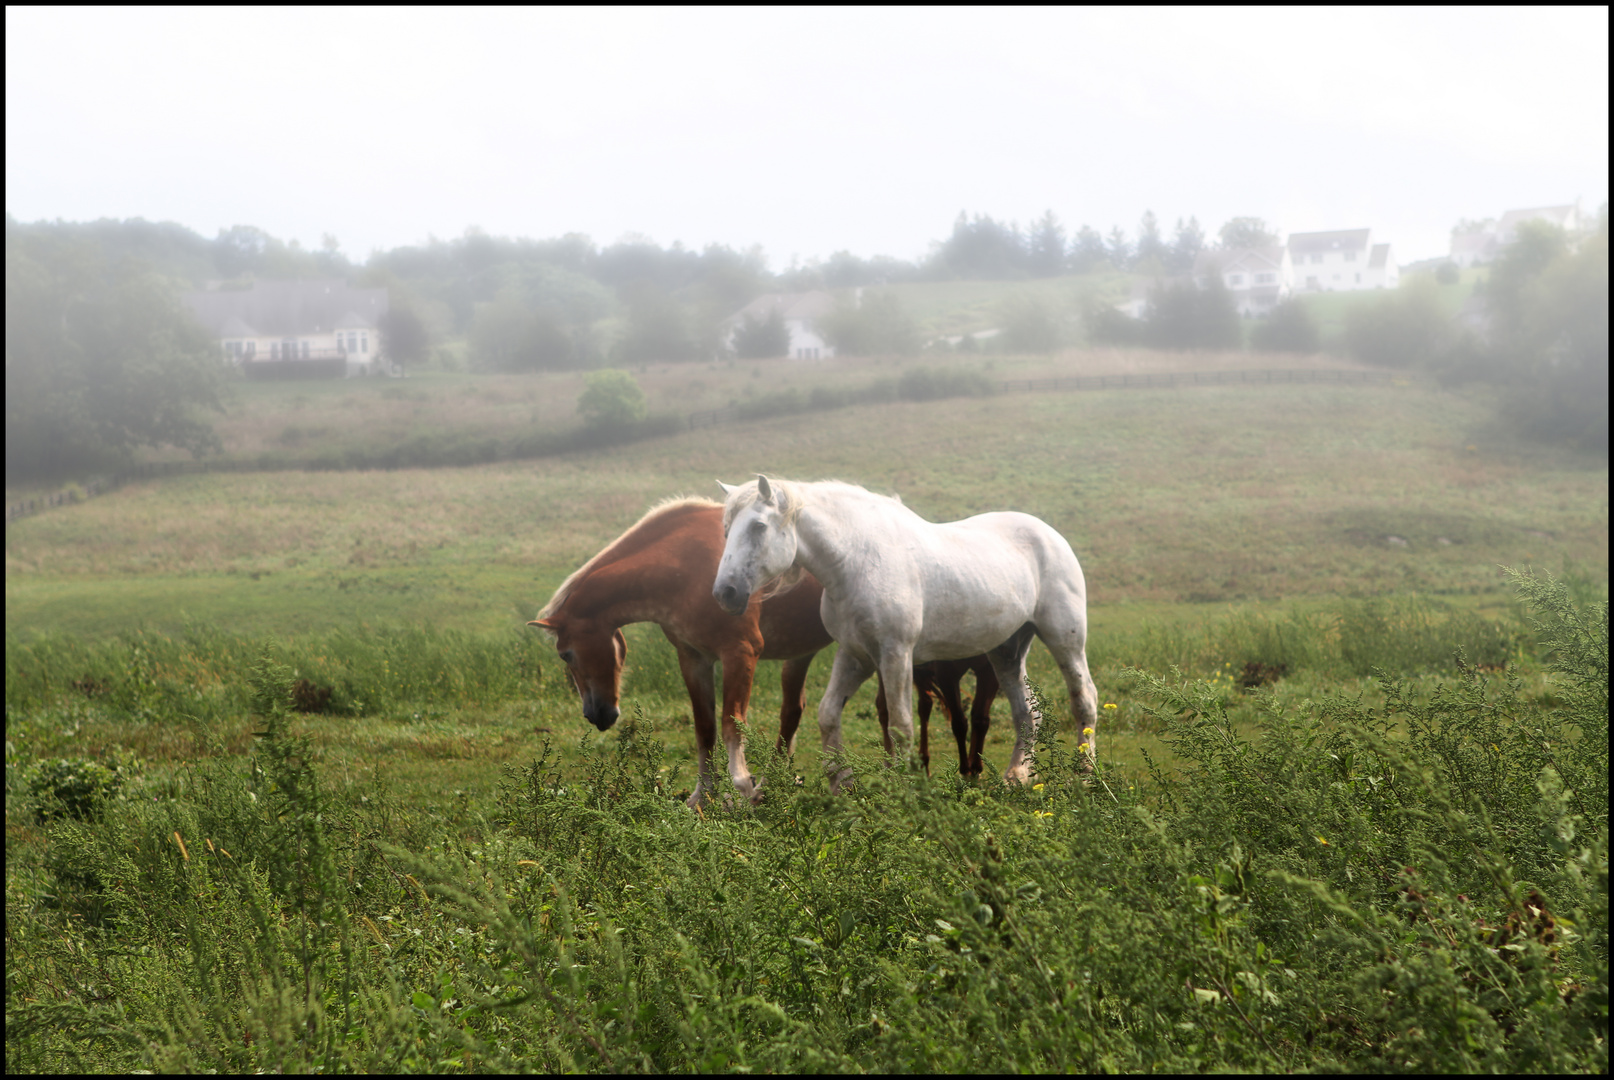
(100, 358)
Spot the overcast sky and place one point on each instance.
(804, 131)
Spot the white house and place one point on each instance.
(1258, 278)
(801, 313)
(311, 328)
(1482, 245)
(1341, 261)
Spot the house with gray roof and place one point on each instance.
(1343, 260)
(1477, 246)
(281, 329)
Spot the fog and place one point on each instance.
(804, 132)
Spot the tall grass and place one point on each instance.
(1402, 635)
(1329, 895)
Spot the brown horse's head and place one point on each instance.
(593, 656)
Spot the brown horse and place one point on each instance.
(661, 570)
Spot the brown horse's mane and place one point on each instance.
(611, 550)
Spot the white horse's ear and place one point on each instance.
(727, 490)
(764, 489)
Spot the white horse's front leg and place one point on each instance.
(847, 674)
(896, 672)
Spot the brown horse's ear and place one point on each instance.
(621, 644)
(542, 624)
(764, 489)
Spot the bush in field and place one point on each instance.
(1421, 887)
(1107, 325)
(924, 384)
(1288, 327)
(73, 787)
(1404, 329)
(1029, 326)
(761, 339)
(878, 326)
(1182, 315)
(610, 398)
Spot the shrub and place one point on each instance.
(760, 339)
(73, 787)
(876, 326)
(1029, 326)
(1289, 327)
(1402, 329)
(610, 398)
(924, 384)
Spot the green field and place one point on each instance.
(1324, 530)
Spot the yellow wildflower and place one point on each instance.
(1111, 705)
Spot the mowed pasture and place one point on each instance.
(1333, 528)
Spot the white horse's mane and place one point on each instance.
(789, 497)
(665, 506)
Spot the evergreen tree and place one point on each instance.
(1046, 254)
(1188, 242)
(1151, 252)
(1088, 253)
(1117, 249)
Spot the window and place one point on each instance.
(1359, 279)
(1235, 279)
(1265, 279)
(352, 342)
(305, 350)
(1317, 258)
(364, 343)
(274, 350)
(252, 349)
(1350, 256)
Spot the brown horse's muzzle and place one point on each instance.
(599, 712)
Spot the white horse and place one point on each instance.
(900, 590)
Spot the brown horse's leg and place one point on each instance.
(986, 690)
(924, 681)
(792, 680)
(699, 681)
(949, 673)
(739, 669)
(883, 711)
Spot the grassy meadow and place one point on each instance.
(444, 867)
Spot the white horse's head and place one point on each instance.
(759, 531)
